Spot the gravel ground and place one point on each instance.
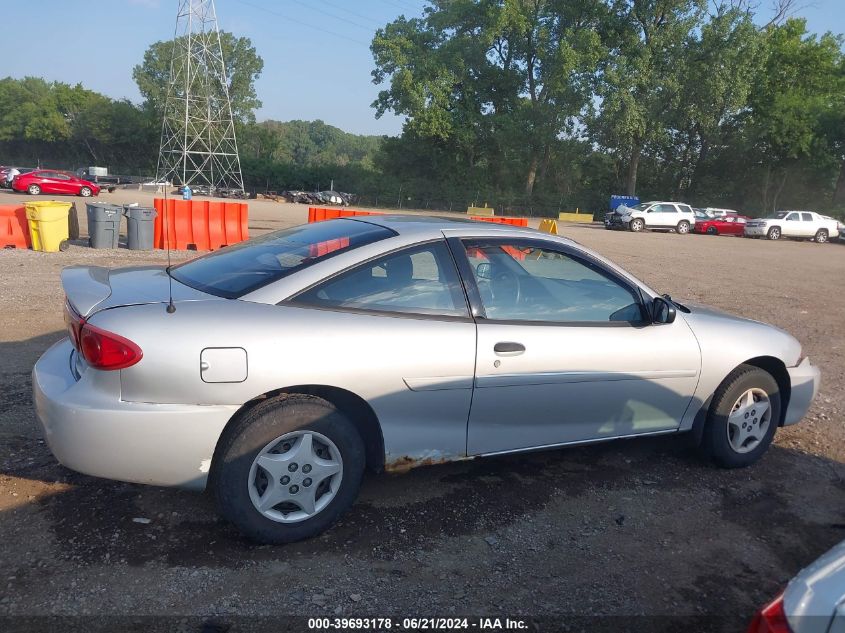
(637, 528)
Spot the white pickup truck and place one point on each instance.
(796, 224)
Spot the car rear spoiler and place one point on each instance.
(86, 287)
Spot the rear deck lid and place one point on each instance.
(90, 289)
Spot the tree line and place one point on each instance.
(531, 106)
(570, 101)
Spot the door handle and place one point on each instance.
(509, 348)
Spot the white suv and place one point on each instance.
(658, 215)
(800, 224)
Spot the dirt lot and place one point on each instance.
(637, 528)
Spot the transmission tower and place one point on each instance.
(198, 144)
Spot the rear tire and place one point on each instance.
(735, 436)
(284, 421)
(34, 190)
(683, 227)
(774, 233)
(821, 236)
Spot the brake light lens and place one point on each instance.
(771, 619)
(107, 350)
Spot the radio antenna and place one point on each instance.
(166, 219)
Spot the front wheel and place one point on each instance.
(34, 190)
(85, 192)
(289, 468)
(683, 227)
(743, 417)
(821, 236)
(712, 230)
(637, 225)
(774, 233)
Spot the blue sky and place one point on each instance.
(316, 54)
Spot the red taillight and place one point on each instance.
(74, 324)
(107, 350)
(771, 619)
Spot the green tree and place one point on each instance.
(800, 87)
(641, 85)
(243, 67)
(498, 82)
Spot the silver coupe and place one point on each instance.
(275, 371)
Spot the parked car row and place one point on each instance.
(682, 218)
(38, 181)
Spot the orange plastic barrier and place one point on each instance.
(329, 246)
(318, 214)
(513, 221)
(201, 225)
(14, 228)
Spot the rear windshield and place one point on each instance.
(238, 270)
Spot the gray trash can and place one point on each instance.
(103, 225)
(139, 227)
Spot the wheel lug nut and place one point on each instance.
(306, 482)
(746, 415)
(294, 489)
(306, 468)
(753, 411)
(285, 480)
(292, 467)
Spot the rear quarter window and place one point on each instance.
(243, 268)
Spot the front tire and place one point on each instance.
(743, 418)
(712, 230)
(85, 192)
(637, 225)
(34, 190)
(289, 468)
(683, 227)
(774, 233)
(821, 236)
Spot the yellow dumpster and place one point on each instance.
(48, 225)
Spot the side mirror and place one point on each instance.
(484, 271)
(662, 311)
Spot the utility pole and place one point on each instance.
(198, 143)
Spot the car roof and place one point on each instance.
(432, 225)
(666, 202)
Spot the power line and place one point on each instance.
(305, 24)
(345, 10)
(369, 29)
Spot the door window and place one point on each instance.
(526, 282)
(665, 208)
(792, 216)
(421, 280)
(807, 217)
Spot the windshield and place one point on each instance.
(242, 268)
(780, 215)
(640, 207)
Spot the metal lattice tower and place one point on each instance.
(198, 144)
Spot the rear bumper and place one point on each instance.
(91, 430)
(805, 380)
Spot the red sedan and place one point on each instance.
(724, 225)
(49, 181)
